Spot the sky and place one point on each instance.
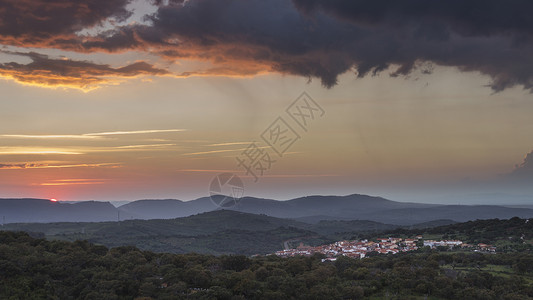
(410, 100)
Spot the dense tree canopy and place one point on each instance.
(33, 268)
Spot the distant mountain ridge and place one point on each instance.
(330, 207)
(43, 211)
(313, 209)
(310, 209)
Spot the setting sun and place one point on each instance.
(249, 149)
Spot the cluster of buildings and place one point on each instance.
(445, 243)
(456, 243)
(355, 249)
(360, 249)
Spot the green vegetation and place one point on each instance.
(512, 235)
(220, 232)
(40, 269)
(231, 232)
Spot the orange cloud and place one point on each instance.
(62, 182)
(37, 150)
(47, 72)
(54, 23)
(313, 39)
(19, 166)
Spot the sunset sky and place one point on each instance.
(125, 100)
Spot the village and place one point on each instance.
(390, 245)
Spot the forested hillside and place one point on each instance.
(217, 232)
(39, 269)
(508, 235)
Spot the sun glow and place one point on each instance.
(53, 199)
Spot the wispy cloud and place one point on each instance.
(77, 181)
(37, 150)
(221, 151)
(285, 153)
(134, 132)
(209, 171)
(211, 152)
(80, 150)
(144, 146)
(55, 136)
(67, 183)
(127, 148)
(88, 136)
(250, 176)
(34, 165)
(230, 144)
(295, 175)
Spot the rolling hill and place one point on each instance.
(44, 210)
(310, 209)
(313, 209)
(216, 232)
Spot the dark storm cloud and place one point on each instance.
(311, 38)
(327, 38)
(65, 72)
(472, 17)
(244, 37)
(168, 2)
(53, 23)
(490, 36)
